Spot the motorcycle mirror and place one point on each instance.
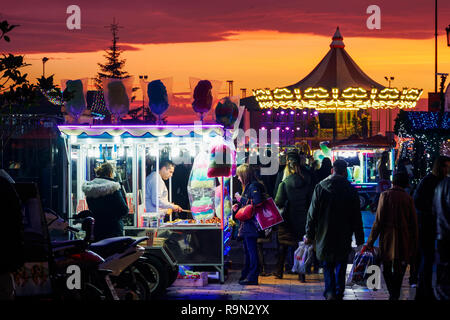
(88, 226)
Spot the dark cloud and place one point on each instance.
(43, 23)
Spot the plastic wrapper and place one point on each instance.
(78, 90)
(117, 94)
(204, 94)
(303, 258)
(362, 260)
(201, 189)
(226, 200)
(221, 161)
(227, 111)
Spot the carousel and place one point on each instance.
(338, 87)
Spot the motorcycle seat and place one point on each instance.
(68, 243)
(110, 246)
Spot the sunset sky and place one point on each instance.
(257, 44)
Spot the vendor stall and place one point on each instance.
(364, 157)
(200, 240)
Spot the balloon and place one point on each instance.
(202, 96)
(157, 96)
(226, 112)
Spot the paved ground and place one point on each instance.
(288, 288)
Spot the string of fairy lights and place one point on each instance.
(349, 99)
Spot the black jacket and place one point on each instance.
(296, 192)
(333, 217)
(441, 208)
(423, 201)
(253, 193)
(11, 236)
(107, 203)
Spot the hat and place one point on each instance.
(293, 156)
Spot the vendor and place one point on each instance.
(166, 169)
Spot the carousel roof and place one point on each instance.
(337, 70)
(336, 83)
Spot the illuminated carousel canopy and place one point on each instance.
(337, 83)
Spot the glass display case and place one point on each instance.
(196, 238)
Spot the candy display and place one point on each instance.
(220, 161)
(226, 198)
(203, 98)
(226, 112)
(201, 195)
(158, 100)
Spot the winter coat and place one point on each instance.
(296, 192)
(396, 224)
(441, 209)
(254, 191)
(333, 217)
(106, 201)
(423, 201)
(11, 236)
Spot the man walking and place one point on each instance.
(333, 217)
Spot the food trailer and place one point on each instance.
(201, 242)
(362, 157)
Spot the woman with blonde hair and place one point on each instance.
(294, 197)
(106, 202)
(252, 193)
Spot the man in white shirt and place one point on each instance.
(166, 169)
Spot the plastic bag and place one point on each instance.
(155, 107)
(117, 94)
(363, 259)
(78, 90)
(201, 189)
(303, 258)
(204, 96)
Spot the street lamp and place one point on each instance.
(448, 35)
(145, 77)
(389, 79)
(44, 60)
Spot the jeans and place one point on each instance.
(334, 277)
(427, 255)
(251, 266)
(393, 273)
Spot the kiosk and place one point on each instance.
(136, 151)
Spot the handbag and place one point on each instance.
(245, 213)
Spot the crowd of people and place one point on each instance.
(321, 207)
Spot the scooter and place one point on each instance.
(122, 256)
(93, 281)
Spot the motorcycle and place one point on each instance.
(122, 256)
(93, 282)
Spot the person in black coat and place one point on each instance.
(423, 201)
(294, 197)
(106, 201)
(324, 171)
(253, 193)
(441, 209)
(11, 237)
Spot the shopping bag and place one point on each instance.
(363, 259)
(303, 258)
(267, 214)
